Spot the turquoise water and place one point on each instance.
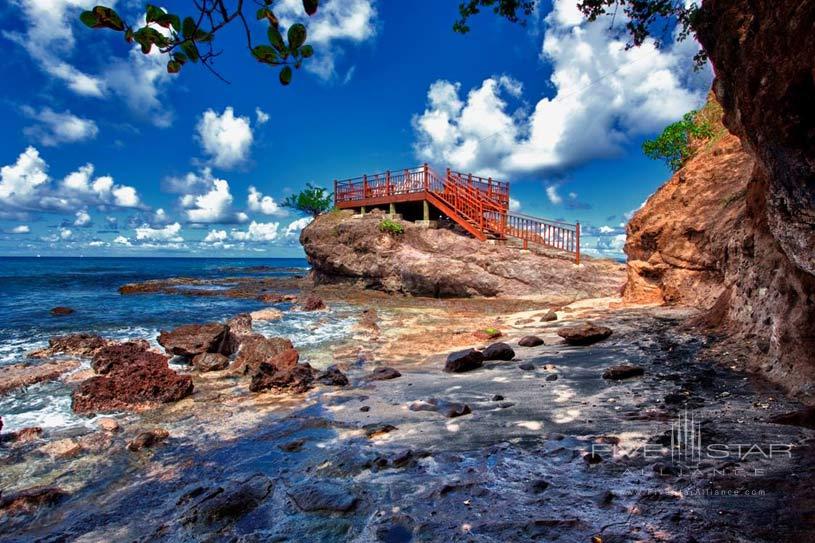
(30, 287)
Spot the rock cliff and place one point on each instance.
(423, 261)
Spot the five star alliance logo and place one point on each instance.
(686, 439)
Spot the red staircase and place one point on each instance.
(479, 205)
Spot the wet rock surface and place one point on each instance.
(530, 341)
(465, 360)
(584, 334)
(122, 354)
(73, 344)
(205, 362)
(192, 339)
(323, 496)
(498, 351)
(21, 375)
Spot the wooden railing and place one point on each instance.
(480, 205)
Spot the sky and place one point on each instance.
(106, 154)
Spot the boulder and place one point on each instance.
(125, 353)
(20, 375)
(192, 339)
(584, 334)
(322, 496)
(108, 425)
(256, 349)
(283, 373)
(498, 351)
(332, 376)
(623, 371)
(61, 311)
(448, 409)
(383, 373)
(210, 362)
(530, 341)
(28, 500)
(549, 315)
(72, 344)
(311, 303)
(141, 382)
(461, 361)
(147, 439)
(240, 324)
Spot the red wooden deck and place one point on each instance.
(479, 205)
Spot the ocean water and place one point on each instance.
(30, 287)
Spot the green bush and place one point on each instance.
(391, 227)
(674, 145)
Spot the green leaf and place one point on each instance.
(285, 75)
(202, 36)
(107, 18)
(188, 27)
(180, 57)
(306, 51)
(276, 39)
(89, 19)
(173, 67)
(153, 13)
(191, 50)
(261, 13)
(167, 20)
(297, 36)
(265, 54)
(311, 6)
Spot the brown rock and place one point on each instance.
(498, 351)
(61, 311)
(61, 448)
(124, 354)
(530, 341)
(28, 500)
(461, 361)
(192, 339)
(148, 439)
(241, 324)
(108, 425)
(210, 362)
(276, 298)
(20, 375)
(73, 344)
(383, 373)
(584, 334)
(256, 349)
(311, 303)
(549, 316)
(623, 371)
(296, 379)
(332, 376)
(23, 435)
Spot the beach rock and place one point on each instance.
(192, 339)
(369, 320)
(446, 408)
(23, 435)
(73, 344)
(267, 314)
(592, 458)
(549, 316)
(498, 351)
(108, 425)
(283, 373)
(225, 503)
(365, 408)
(205, 362)
(466, 360)
(332, 376)
(527, 366)
(61, 311)
(383, 373)
(584, 334)
(276, 298)
(241, 324)
(623, 371)
(311, 303)
(327, 496)
(487, 334)
(552, 377)
(497, 397)
(148, 439)
(376, 430)
(530, 341)
(61, 448)
(29, 500)
(256, 349)
(122, 354)
(142, 382)
(292, 446)
(20, 375)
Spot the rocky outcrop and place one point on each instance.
(120, 354)
(20, 375)
(192, 339)
(73, 345)
(256, 349)
(584, 334)
(442, 262)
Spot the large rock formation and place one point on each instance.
(443, 262)
(743, 239)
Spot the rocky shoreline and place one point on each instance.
(540, 436)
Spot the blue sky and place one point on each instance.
(105, 153)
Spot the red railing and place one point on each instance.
(480, 205)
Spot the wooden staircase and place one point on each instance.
(479, 205)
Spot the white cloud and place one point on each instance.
(554, 197)
(215, 236)
(606, 229)
(139, 81)
(20, 181)
(170, 233)
(213, 201)
(295, 227)
(258, 231)
(336, 22)
(225, 138)
(261, 117)
(83, 219)
(604, 95)
(124, 196)
(259, 203)
(54, 128)
(121, 240)
(65, 233)
(514, 205)
(21, 229)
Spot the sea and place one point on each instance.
(31, 286)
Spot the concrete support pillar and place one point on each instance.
(362, 211)
(425, 211)
(392, 209)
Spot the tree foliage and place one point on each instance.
(312, 200)
(191, 39)
(675, 144)
(508, 9)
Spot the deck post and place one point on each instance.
(426, 211)
(577, 242)
(362, 211)
(365, 186)
(489, 187)
(388, 182)
(392, 209)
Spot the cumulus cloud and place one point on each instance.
(552, 194)
(20, 229)
(65, 233)
(295, 227)
(603, 96)
(53, 128)
(121, 240)
(205, 198)
(257, 231)
(259, 203)
(215, 236)
(336, 23)
(261, 117)
(225, 137)
(171, 232)
(83, 219)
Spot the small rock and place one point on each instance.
(311, 303)
(62, 448)
(498, 351)
(292, 446)
(448, 409)
(584, 334)
(61, 311)
(148, 439)
(374, 430)
(537, 486)
(466, 360)
(549, 316)
(383, 373)
(497, 398)
(322, 496)
(592, 458)
(283, 373)
(332, 376)
(205, 362)
(402, 458)
(527, 366)
(552, 377)
(108, 425)
(530, 341)
(623, 371)
(267, 314)
(365, 408)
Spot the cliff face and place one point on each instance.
(342, 248)
(734, 230)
